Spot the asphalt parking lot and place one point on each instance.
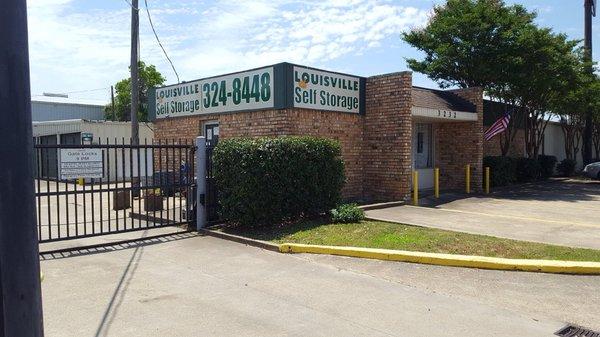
(563, 212)
(190, 285)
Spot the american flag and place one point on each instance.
(498, 127)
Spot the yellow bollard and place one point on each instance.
(468, 178)
(436, 182)
(80, 181)
(415, 188)
(487, 180)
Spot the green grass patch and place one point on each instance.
(378, 234)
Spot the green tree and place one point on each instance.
(594, 96)
(545, 71)
(572, 107)
(474, 43)
(487, 44)
(149, 77)
(470, 43)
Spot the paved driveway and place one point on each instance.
(557, 212)
(188, 285)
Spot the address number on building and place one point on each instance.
(81, 163)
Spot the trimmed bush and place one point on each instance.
(268, 181)
(347, 213)
(566, 167)
(547, 165)
(503, 170)
(528, 170)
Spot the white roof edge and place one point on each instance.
(62, 101)
(444, 115)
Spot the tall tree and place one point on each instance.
(489, 44)
(149, 77)
(596, 137)
(470, 43)
(595, 108)
(475, 43)
(572, 107)
(544, 72)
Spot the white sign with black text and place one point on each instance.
(81, 163)
(315, 89)
(240, 91)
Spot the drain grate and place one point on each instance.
(576, 331)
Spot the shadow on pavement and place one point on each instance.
(119, 293)
(116, 246)
(552, 190)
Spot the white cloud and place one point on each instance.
(75, 48)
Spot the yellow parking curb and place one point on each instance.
(544, 266)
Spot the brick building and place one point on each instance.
(387, 128)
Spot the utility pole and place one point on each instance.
(590, 10)
(135, 26)
(20, 294)
(112, 102)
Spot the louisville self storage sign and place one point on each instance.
(315, 89)
(235, 92)
(279, 86)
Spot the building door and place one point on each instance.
(70, 139)
(48, 158)
(211, 132)
(423, 154)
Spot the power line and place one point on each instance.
(158, 40)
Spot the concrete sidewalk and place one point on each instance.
(203, 286)
(555, 212)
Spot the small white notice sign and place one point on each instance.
(81, 163)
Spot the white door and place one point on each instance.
(423, 154)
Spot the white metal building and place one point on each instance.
(57, 108)
(79, 131)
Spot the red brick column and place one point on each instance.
(459, 144)
(387, 137)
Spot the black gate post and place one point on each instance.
(19, 261)
(200, 182)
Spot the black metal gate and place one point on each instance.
(135, 187)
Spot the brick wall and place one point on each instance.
(376, 147)
(344, 127)
(387, 137)
(459, 144)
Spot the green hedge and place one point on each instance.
(275, 180)
(347, 213)
(503, 170)
(507, 170)
(566, 167)
(528, 170)
(547, 166)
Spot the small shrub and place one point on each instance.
(547, 165)
(347, 213)
(528, 170)
(265, 181)
(566, 167)
(503, 170)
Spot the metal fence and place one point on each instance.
(137, 187)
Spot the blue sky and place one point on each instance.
(81, 47)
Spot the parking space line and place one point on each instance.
(508, 216)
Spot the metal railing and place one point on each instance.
(139, 187)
